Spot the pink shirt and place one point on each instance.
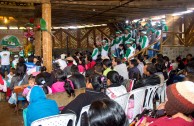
(81, 68)
(165, 121)
(59, 86)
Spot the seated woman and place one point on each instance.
(94, 93)
(178, 108)
(39, 106)
(59, 86)
(106, 112)
(107, 65)
(114, 81)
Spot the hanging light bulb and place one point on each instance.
(5, 20)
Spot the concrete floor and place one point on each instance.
(8, 117)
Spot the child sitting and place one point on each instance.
(26, 91)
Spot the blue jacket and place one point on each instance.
(40, 106)
(30, 65)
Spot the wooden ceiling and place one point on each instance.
(72, 12)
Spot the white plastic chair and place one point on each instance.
(123, 101)
(151, 91)
(161, 93)
(138, 95)
(57, 120)
(84, 109)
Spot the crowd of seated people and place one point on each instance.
(103, 80)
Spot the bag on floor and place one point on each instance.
(12, 99)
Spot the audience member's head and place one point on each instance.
(159, 56)
(149, 69)
(30, 59)
(114, 78)
(189, 69)
(95, 82)
(189, 56)
(106, 112)
(78, 80)
(98, 69)
(116, 61)
(106, 63)
(74, 70)
(20, 70)
(133, 63)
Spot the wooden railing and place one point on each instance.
(169, 35)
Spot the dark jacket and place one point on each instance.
(147, 81)
(82, 100)
(134, 73)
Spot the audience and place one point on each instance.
(133, 71)
(39, 106)
(114, 83)
(106, 112)
(120, 67)
(150, 77)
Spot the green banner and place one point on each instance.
(10, 40)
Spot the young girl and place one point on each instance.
(62, 80)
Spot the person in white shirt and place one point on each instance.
(114, 83)
(120, 67)
(61, 63)
(15, 61)
(5, 60)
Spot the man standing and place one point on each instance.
(5, 60)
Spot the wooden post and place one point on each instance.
(38, 43)
(46, 37)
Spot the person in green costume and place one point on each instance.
(21, 52)
(95, 52)
(117, 41)
(105, 48)
(164, 29)
(144, 42)
(128, 34)
(130, 50)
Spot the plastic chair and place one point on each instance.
(151, 91)
(57, 120)
(84, 109)
(161, 93)
(138, 95)
(123, 101)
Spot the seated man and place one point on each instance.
(150, 79)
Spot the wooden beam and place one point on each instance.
(29, 1)
(46, 37)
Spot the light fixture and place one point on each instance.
(5, 20)
(182, 13)
(127, 21)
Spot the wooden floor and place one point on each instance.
(8, 117)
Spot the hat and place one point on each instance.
(105, 41)
(113, 55)
(105, 57)
(15, 56)
(69, 58)
(144, 32)
(128, 42)
(118, 32)
(180, 98)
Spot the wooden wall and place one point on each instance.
(78, 39)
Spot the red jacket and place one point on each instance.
(1, 80)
